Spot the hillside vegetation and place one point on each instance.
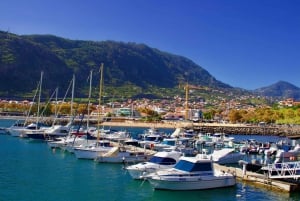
(137, 67)
(130, 70)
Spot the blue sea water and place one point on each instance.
(30, 170)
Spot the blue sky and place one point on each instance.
(244, 43)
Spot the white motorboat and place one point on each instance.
(48, 133)
(18, 128)
(191, 173)
(15, 129)
(160, 160)
(62, 142)
(125, 154)
(171, 144)
(92, 151)
(226, 156)
(150, 137)
(150, 140)
(288, 156)
(116, 136)
(79, 142)
(3, 130)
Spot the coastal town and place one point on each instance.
(163, 113)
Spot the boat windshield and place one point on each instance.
(193, 167)
(151, 138)
(103, 144)
(162, 160)
(169, 142)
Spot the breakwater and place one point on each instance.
(241, 129)
(248, 130)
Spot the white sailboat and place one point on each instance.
(55, 131)
(64, 140)
(20, 125)
(100, 147)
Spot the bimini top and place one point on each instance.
(194, 164)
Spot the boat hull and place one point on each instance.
(231, 159)
(141, 171)
(196, 184)
(90, 154)
(120, 159)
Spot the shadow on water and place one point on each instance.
(207, 195)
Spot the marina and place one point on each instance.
(60, 171)
(240, 129)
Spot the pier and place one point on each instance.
(260, 179)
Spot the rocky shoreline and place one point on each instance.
(277, 130)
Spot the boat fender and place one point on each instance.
(151, 146)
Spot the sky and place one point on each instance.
(244, 43)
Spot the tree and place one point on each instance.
(234, 116)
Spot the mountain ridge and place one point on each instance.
(279, 89)
(138, 66)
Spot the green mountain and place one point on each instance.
(280, 89)
(137, 66)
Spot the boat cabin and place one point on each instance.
(162, 160)
(190, 164)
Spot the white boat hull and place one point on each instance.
(82, 153)
(120, 159)
(15, 132)
(196, 184)
(160, 161)
(226, 156)
(139, 171)
(234, 158)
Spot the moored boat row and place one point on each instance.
(112, 149)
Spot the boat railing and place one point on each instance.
(284, 170)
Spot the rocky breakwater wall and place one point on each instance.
(242, 129)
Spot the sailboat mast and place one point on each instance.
(72, 98)
(56, 102)
(89, 100)
(101, 83)
(39, 99)
(100, 95)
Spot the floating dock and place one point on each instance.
(259, 179)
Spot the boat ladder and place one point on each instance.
(284, 170)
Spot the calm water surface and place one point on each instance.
(30, 170)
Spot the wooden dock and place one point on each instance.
(259, 179)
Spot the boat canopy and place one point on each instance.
(162, 160)
(199, 166)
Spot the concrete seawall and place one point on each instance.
(276, 130)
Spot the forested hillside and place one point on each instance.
(125, 64)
